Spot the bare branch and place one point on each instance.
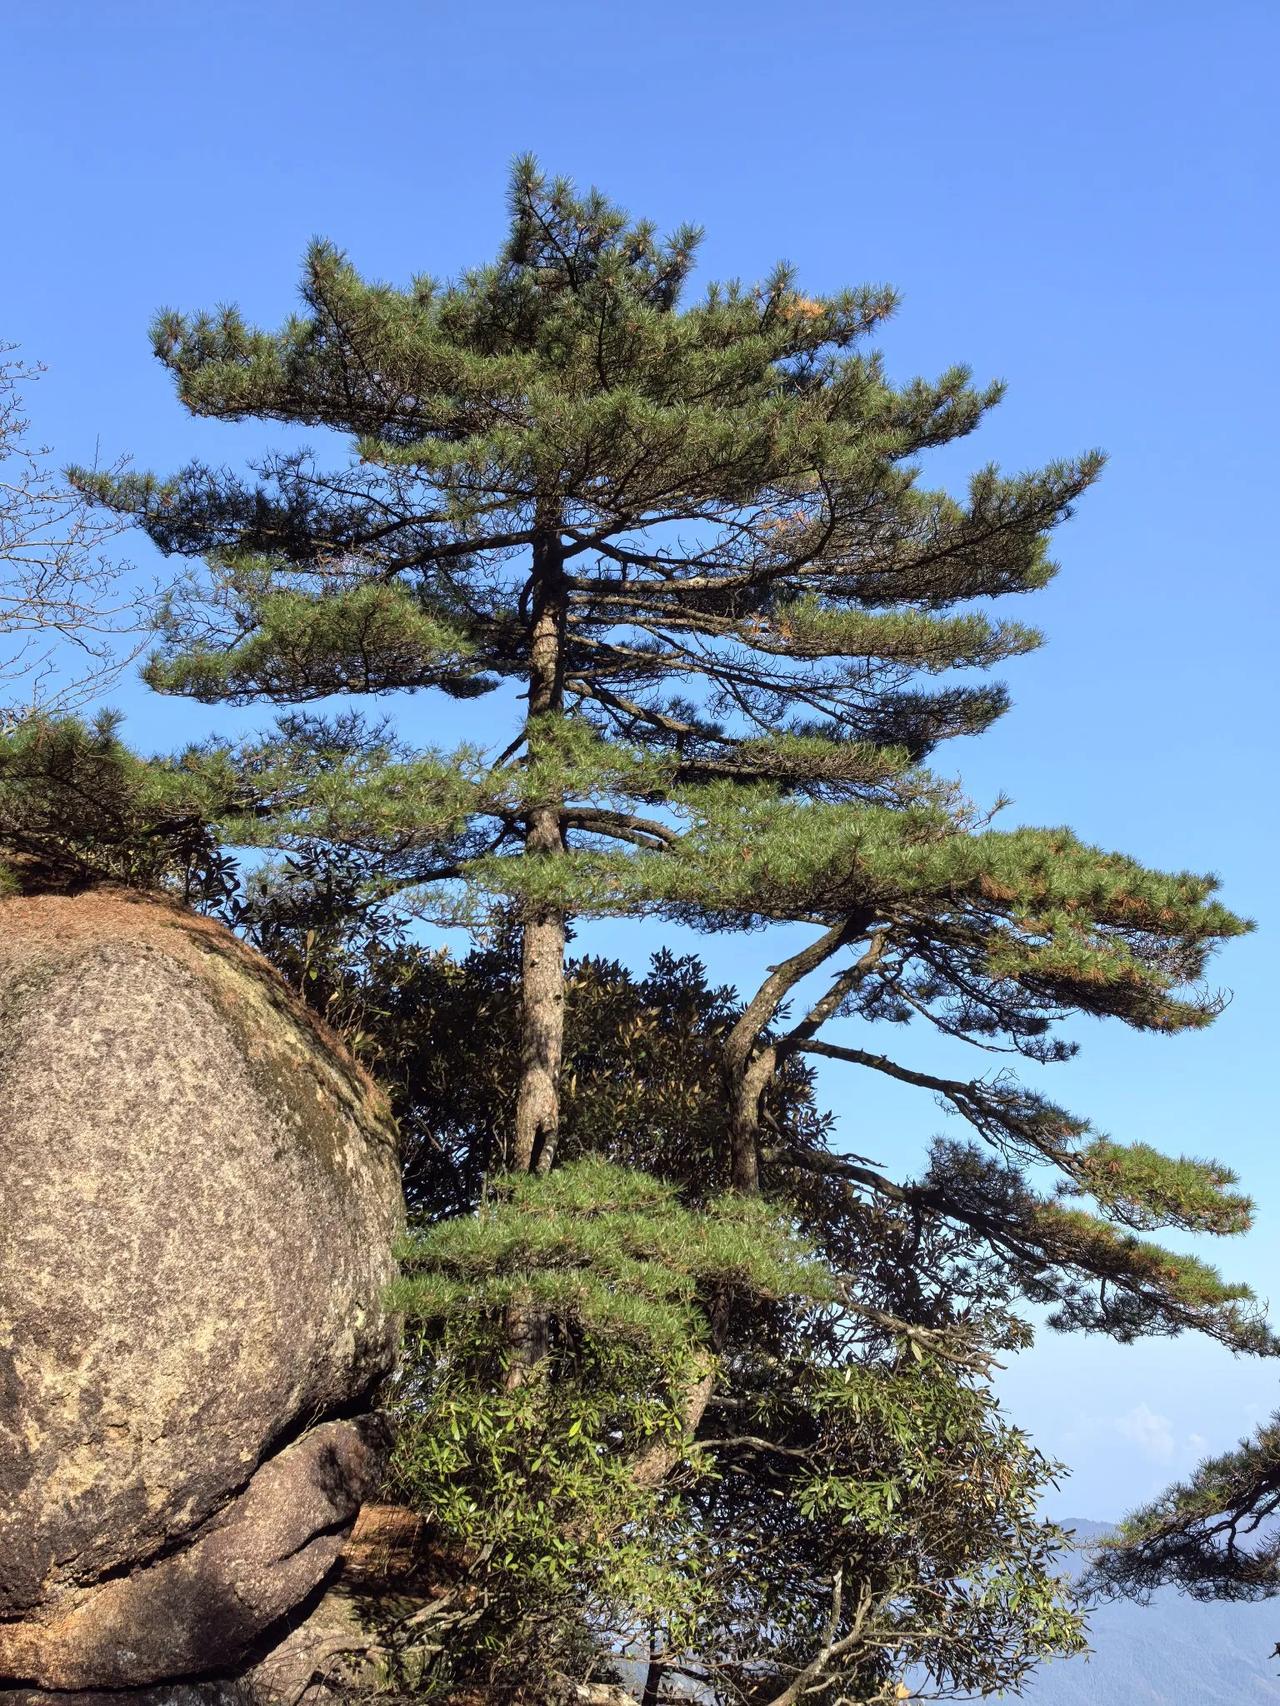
(69, 621)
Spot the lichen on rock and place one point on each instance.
(199, 1193)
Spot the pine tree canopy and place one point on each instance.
(693, 534)
(1214, 1535)
(725, 489)
(684, 543)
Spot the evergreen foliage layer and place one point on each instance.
(1215, 1535)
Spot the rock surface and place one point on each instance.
(199, 1194)
(201, 1608)
(326, 1652)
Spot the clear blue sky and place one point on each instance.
(1077, 199)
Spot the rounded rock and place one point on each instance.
(200, 1193)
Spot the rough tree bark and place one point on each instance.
(749, 1067)
(537, 1116)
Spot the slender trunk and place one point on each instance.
(653, 1466)
(749, 1067)
(537, 1116)
(652, 1695)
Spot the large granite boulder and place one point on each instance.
(199, 1192)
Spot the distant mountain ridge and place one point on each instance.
(1173, 1652)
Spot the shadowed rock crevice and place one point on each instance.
(198, 1610)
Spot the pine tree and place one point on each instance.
(78, 808)
(686, 545)
(692, 539)
(558, 406)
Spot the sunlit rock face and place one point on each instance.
(199, 1192)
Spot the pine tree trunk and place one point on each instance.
(749, 1064)
(748, 1080)
(537, 1117)
(744, 1135)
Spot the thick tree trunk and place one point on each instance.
(746, 1088)
(537, 1117)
